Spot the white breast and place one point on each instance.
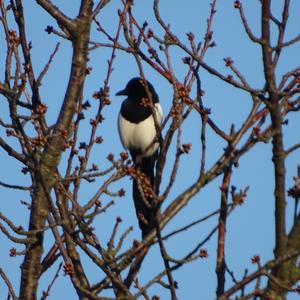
(138, 136)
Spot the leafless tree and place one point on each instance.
(56, 204)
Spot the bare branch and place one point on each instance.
(9, 285)
(221, 261)
(54, 11)
(100, 5)
(11, 152)
(56, 275)
(44, 71)
(165, 256)
(247, 28)
(17, 187)
(292, 149)
(268, 266)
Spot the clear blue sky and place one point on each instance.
(250, 228)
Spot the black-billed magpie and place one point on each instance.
(138, 132)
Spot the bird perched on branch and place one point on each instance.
(139, 128)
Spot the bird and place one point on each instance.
(138, 128)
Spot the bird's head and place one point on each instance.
(136, 90)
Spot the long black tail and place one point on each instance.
(142, 192)
(145, 212)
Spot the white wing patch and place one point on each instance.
(139, 136)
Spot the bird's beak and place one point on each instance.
(122, 93)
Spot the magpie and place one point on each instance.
(138, 134)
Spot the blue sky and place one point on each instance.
(250, 228)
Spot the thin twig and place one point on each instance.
(9, 285)
(261, 271)
(249, 32)
(47, 66)
(16, 187)
(165, 258)
(221, 261)
(99, 6)
(292, 149)
(56, 275)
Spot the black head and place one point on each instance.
(136, 90)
